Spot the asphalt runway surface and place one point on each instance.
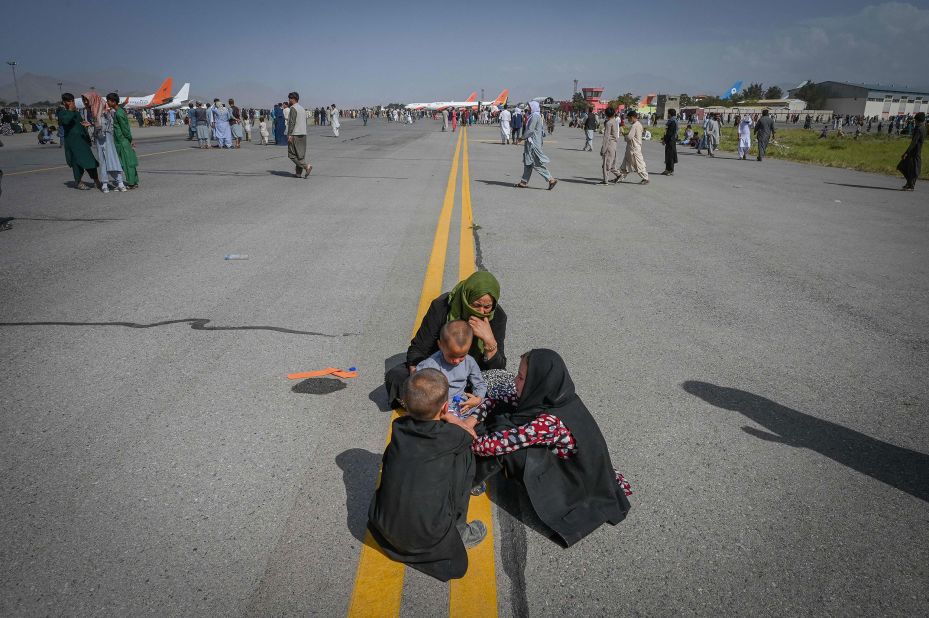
(752, 338)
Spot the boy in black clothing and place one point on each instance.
(419, 511)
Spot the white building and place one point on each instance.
(845, 98)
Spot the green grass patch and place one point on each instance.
(869, 153)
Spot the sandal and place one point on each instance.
(521, 185)
(551, 185)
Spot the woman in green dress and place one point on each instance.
(76, 142)
(125, 147)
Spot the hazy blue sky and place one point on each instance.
(369, 53)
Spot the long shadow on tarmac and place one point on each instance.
(195, 324)
(843, 184)
(905, 469)
(359, 473)
(500, 183)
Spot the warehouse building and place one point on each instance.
(846, 98)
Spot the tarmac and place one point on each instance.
(752, 338)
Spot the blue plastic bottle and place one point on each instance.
(455, 405)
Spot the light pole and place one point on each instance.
(19, 103)
(59, 88)
(482, 94)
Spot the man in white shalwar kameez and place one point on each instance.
(745, 136)
(505, 125)
(335, 120)
(633, 161)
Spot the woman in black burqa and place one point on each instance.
(551, 444)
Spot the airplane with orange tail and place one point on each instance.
(416, 106)
(471, 102)
(159, 97)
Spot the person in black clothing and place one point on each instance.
(547, 440)
(911, 161)
(419, 512)
(476, 300)
(670, 144)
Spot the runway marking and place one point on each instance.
(378, 589)
(476, 593)
(65, 167)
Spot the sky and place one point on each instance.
(366, 53)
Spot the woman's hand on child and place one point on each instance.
(466, 424)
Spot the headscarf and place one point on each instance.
(466, 292)
(96, 104)
(547, 386)
(534, 106)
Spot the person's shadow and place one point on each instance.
(359, 473)
(899, 467)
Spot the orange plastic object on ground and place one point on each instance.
(328, 371)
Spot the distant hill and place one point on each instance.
(33, 88)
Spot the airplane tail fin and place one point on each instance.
(734, 90)
(501, 100)
(472, 98)
(163, 94)
(183, 94)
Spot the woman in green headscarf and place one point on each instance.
(476, 300)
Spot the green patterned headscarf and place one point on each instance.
(466, 292)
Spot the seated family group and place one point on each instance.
(467, 419)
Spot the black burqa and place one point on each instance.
(427, 475)
(573, 496)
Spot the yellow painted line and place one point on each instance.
(378, 589)
(476, 593)
(466, 242)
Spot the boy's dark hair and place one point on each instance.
(457, 332)
(610, 112)
(920, 117)
(423, 393)
(632, 114)
(112, 97)
(672, 113)
(764, 112)
(67, 97)
(294, 95)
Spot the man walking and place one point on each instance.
(335, 120)
(611, 133)
(633, 161)
(764, 131)
(912, 159)
(296, 136)
(191, 123)
(670, 143)
(590, 125)
(505, 125)
(711, 134)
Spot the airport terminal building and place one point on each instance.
(845, 98)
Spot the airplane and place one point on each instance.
(471, 102)
(736, 89)
(178, 100)
(162, 95)
(415, 106)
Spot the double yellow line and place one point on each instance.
(378, 589)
